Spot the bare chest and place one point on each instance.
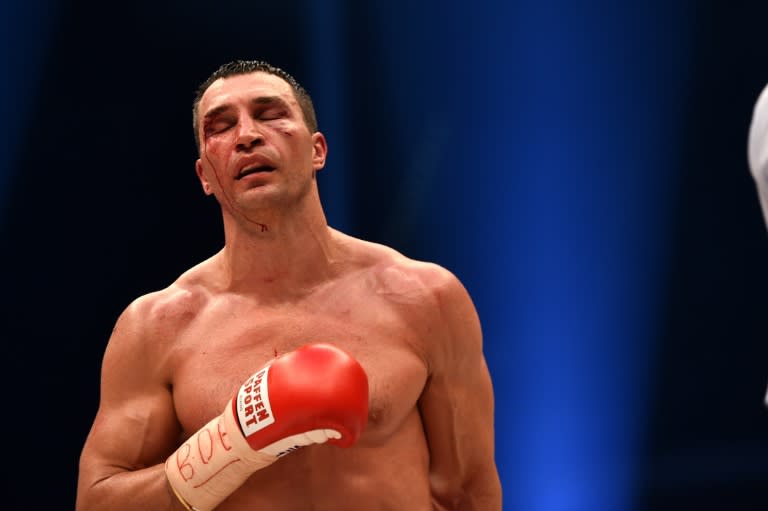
(223, 347)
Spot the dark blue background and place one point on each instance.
(581, 166)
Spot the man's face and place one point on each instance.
(255, 148)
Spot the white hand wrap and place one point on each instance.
(216, 461)
(213, 463)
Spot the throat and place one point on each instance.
(273, 272)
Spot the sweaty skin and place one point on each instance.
(284, 279)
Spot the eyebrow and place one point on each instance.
(261, 100)
(268, 100)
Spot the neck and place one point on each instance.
(277, 256)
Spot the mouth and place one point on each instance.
(256, 169)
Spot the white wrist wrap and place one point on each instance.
(213, 463)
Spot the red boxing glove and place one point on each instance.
(317, 387)
(315, 394)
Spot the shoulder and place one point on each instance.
(174, 305)
(400, 277)
(153, 321)
(431, 298)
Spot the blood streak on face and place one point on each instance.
(224, 195)
(254, 122)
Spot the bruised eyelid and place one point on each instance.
(273, 113)
(216, 124)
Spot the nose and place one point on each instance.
(248, 135)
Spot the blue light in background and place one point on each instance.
(24, 32)
(600, 89)
(550, 201)
(586, 110)
(326, 65)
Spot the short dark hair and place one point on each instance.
(244, 67)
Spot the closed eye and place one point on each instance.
(272, 114)
(217, 126)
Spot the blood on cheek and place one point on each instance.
(216, 150)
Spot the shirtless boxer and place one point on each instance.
(183, 362)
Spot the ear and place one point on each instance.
(319, 150)
(201, 176)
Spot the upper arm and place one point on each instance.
(457, 406)
(135, 426)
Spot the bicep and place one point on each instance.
(120, 465)
(457, 408)
(457, 412)
(135, 426)
(129, 436)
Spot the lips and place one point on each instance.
(254, 169)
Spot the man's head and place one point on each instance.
(758, 150)
(257, 150)
(242, 67)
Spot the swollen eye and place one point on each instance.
(271, 115)
(216, 127)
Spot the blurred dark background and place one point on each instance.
(581, 166)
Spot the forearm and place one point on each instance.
(130, 490)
